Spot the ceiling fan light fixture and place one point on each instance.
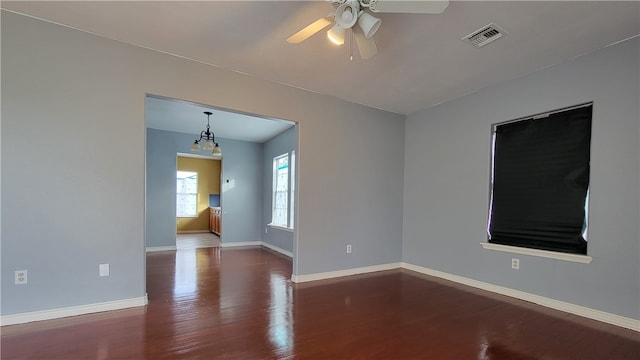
(347, 14)
(336, 34)
(369, 24)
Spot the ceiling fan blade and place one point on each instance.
(410, 6)
(367, 47)
(308, 31)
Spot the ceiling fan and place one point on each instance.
(348, 13)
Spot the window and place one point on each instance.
(186, 194)
(540, 181)
(282, 202)
(292, 175)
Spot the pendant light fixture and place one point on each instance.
(209, 140)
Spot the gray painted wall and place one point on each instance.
(74, 197)
(283, 143)
(241, 197)
(72, 170)
(160, 222)
(240, 165)
(447, 180)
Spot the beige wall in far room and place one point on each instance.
(208, 183)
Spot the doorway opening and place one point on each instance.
(238, 208)
(198, 211)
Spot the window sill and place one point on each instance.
(283, 228)
(585, 259)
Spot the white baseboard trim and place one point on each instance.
(193, 232)
(72, 311)
(242, 243)
(277, 249)
(341, 273)
(160, 248)
(257, 243)
(583, 311)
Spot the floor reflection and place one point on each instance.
(494, 350)
(280, 320)
(190, 266)
(186, 275)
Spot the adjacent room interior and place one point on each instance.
(236, 188)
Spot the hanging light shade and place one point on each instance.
(209, 140)
(346, 17)
(336, 34)
(347, 14)
(369, 24)
(217, 151)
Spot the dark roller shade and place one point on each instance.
(540, 182)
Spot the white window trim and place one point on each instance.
(292, 188)
(289, 226)
(273, 226)
(585, 259)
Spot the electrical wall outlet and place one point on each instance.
(348, 249)
(21, 277)
(515, 263)
(103, 269)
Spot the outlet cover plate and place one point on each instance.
(21, 277)
(515, 263)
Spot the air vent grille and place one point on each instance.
(485, 35)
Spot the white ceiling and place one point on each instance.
(186, 117)
(421, 60)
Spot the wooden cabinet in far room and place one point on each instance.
(215, 216)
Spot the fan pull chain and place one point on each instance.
(351, 45)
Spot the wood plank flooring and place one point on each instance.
(228, 303)
(196, 241)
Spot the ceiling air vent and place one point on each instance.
(485, 35)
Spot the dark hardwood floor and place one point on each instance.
(227, 303)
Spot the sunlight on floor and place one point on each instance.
(196, 241)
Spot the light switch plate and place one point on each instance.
(104, 269)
